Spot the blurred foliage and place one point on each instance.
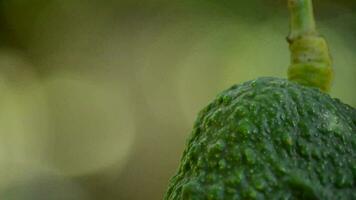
(98, 97)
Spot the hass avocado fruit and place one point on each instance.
(273, 138)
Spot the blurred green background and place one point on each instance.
(98, 97)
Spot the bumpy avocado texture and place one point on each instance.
(270, 139)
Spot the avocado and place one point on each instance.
(270, 138)
(273, 138)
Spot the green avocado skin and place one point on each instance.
(270, 139)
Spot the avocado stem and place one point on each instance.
(311, 63)
(302, 20)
